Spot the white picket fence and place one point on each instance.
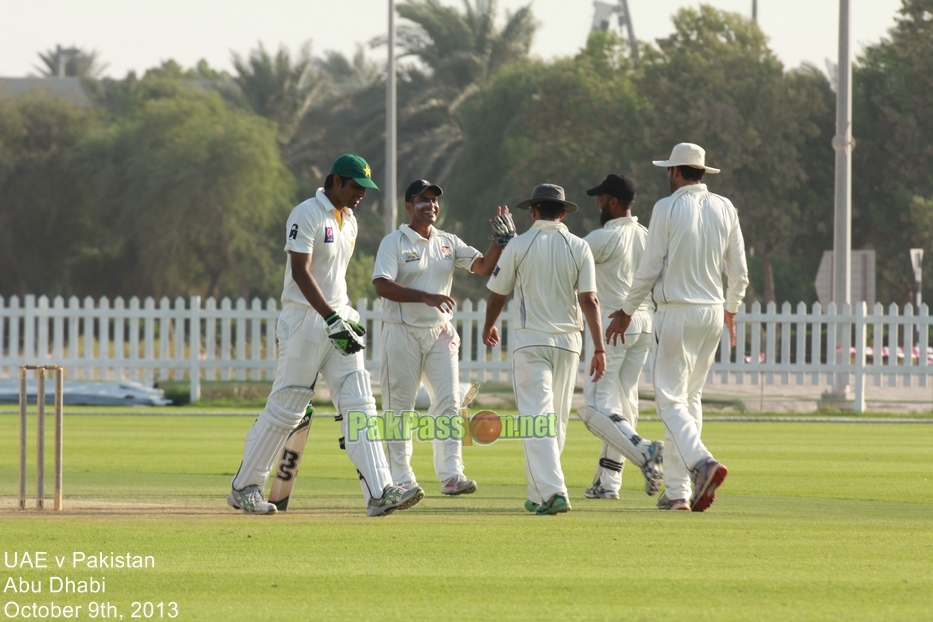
(188, 340)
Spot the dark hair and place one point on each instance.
(549, 210)
(690, 173)
(329, 181)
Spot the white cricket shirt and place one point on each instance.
(617, 250)
(694, 239)
(425, 264)
(312, 228)
(547, 267)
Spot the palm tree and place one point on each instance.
(71, 63)
(458, 52)
(279, 89)
(348, 74)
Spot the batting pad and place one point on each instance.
(368, 456)
(615, 431)
(265, 440)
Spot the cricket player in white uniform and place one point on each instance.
(611, 404)
(552, 275)
(318, 332)
(694, 240)
(414, 272)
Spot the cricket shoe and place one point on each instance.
(458, 485)
(707, 477)
(555, 505)
(598, 492)
(531, 506)
(250, 500)
(672, 504)
(394, 498)
(654, 458)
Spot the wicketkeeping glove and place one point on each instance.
(503, 229)
(345, 335)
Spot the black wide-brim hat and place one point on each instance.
(548, 193)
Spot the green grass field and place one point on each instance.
(816, 522)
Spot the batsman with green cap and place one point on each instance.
(318, 332)
(352, 166)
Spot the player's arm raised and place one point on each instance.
(485, 264)
(503, 230)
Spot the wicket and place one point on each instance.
(40, 434)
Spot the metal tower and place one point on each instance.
(603, 14)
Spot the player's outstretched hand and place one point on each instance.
(445, 303)
(503, 227)
(346, 336)
(617, 327)
(491, 335)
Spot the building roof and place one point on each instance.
(69, 89)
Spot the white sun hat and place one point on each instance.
(687, 154)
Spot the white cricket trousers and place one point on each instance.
(304, 349)
(409, 354)
(617, 391)
(543, 377)
(687, 338)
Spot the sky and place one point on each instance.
(140, 34)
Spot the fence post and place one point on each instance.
(29, 329)
(194, 348)
(860, 338)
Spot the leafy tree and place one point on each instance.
(121, 98)
(41, 228)
(716, 83)
(570, 123)
(583, 121)
(892, 181)
(170, 69)
(191, 196)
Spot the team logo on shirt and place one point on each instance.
(495, 272)
(410, 256)
(446, 252)
(328, 235)
(293, 234)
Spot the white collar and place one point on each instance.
(413, 235)
(620, 222)
(549, 224)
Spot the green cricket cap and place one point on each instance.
(353, 166)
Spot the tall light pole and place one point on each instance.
(842, 144)
(631, 28)
(389, 192)
(842, 231)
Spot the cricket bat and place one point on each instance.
(465, 414)
(287, 472)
